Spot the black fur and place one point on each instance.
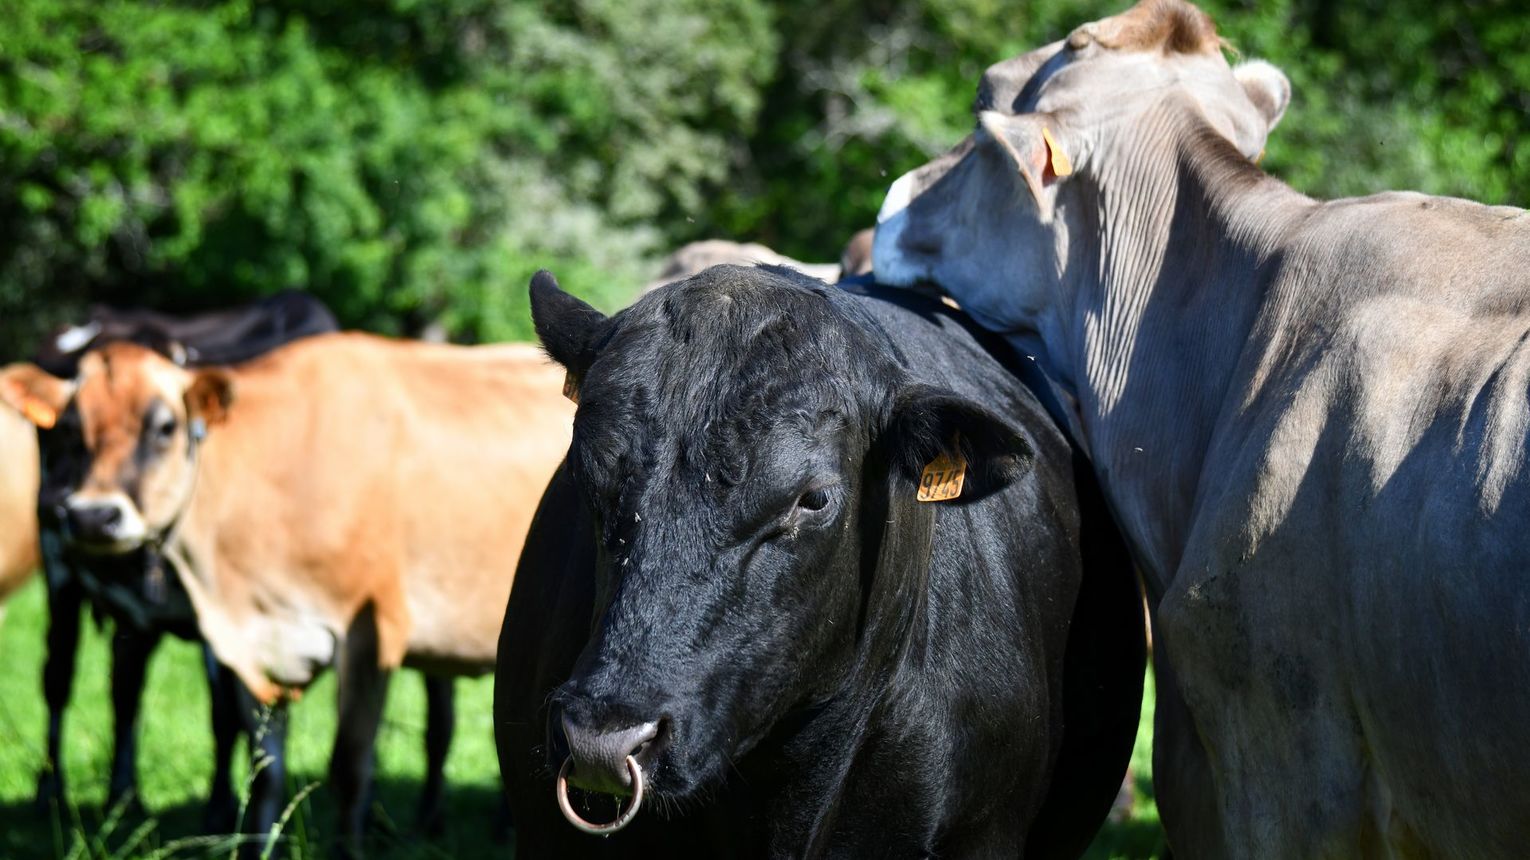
(569, 328)
(878, 676)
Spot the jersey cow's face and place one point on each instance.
(118, 442)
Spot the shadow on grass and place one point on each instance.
(475, 828)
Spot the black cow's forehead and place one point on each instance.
(708, 370)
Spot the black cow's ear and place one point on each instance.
(569, 328)
(930, 423)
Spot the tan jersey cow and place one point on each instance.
(356, 501)
(18, 503)
(1311, 419)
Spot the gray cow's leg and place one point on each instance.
(65, 602)
(440, 721)
(1182, 778)
(131, 650)
(363, 691)
(222, 811)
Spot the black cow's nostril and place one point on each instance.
(557, 741)
(600, 753)
(650, 749)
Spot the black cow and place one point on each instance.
(731, 588)
(144, 600)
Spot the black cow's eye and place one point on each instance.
(814, 500)
(166, 430)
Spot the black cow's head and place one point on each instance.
(749, 450)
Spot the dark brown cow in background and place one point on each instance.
(696, 257)
(855, 259)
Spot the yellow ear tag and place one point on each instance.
(39, 413)
(942, 479)
(571, 388)
(1260, 157)
(1061, 166)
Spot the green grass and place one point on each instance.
(1137, 834)
(175, 755)
(175, 761)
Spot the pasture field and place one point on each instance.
(176, 762)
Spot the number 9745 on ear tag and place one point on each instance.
(942, 479)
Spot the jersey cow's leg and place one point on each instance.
(222, 811)
(440, 722)
(363, 692)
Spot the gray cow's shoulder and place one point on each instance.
(1456, 253)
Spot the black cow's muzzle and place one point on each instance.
(599, 757)
(605, 757)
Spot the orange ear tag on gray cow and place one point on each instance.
(942, 479)
(39, 413)
(1058, 160)
(571, 388)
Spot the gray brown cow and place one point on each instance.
(1310, 417)
(696, 257)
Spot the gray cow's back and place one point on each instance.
(1358, 563)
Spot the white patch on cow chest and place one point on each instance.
(294, 646)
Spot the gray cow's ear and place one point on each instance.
(1267, 87)
(1034, 143)
(568, 328)
(930, 423)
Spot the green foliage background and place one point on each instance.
(413, 161)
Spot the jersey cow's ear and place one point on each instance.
(934, 430)
(209, 396)
(35, 393)
(569, 329)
